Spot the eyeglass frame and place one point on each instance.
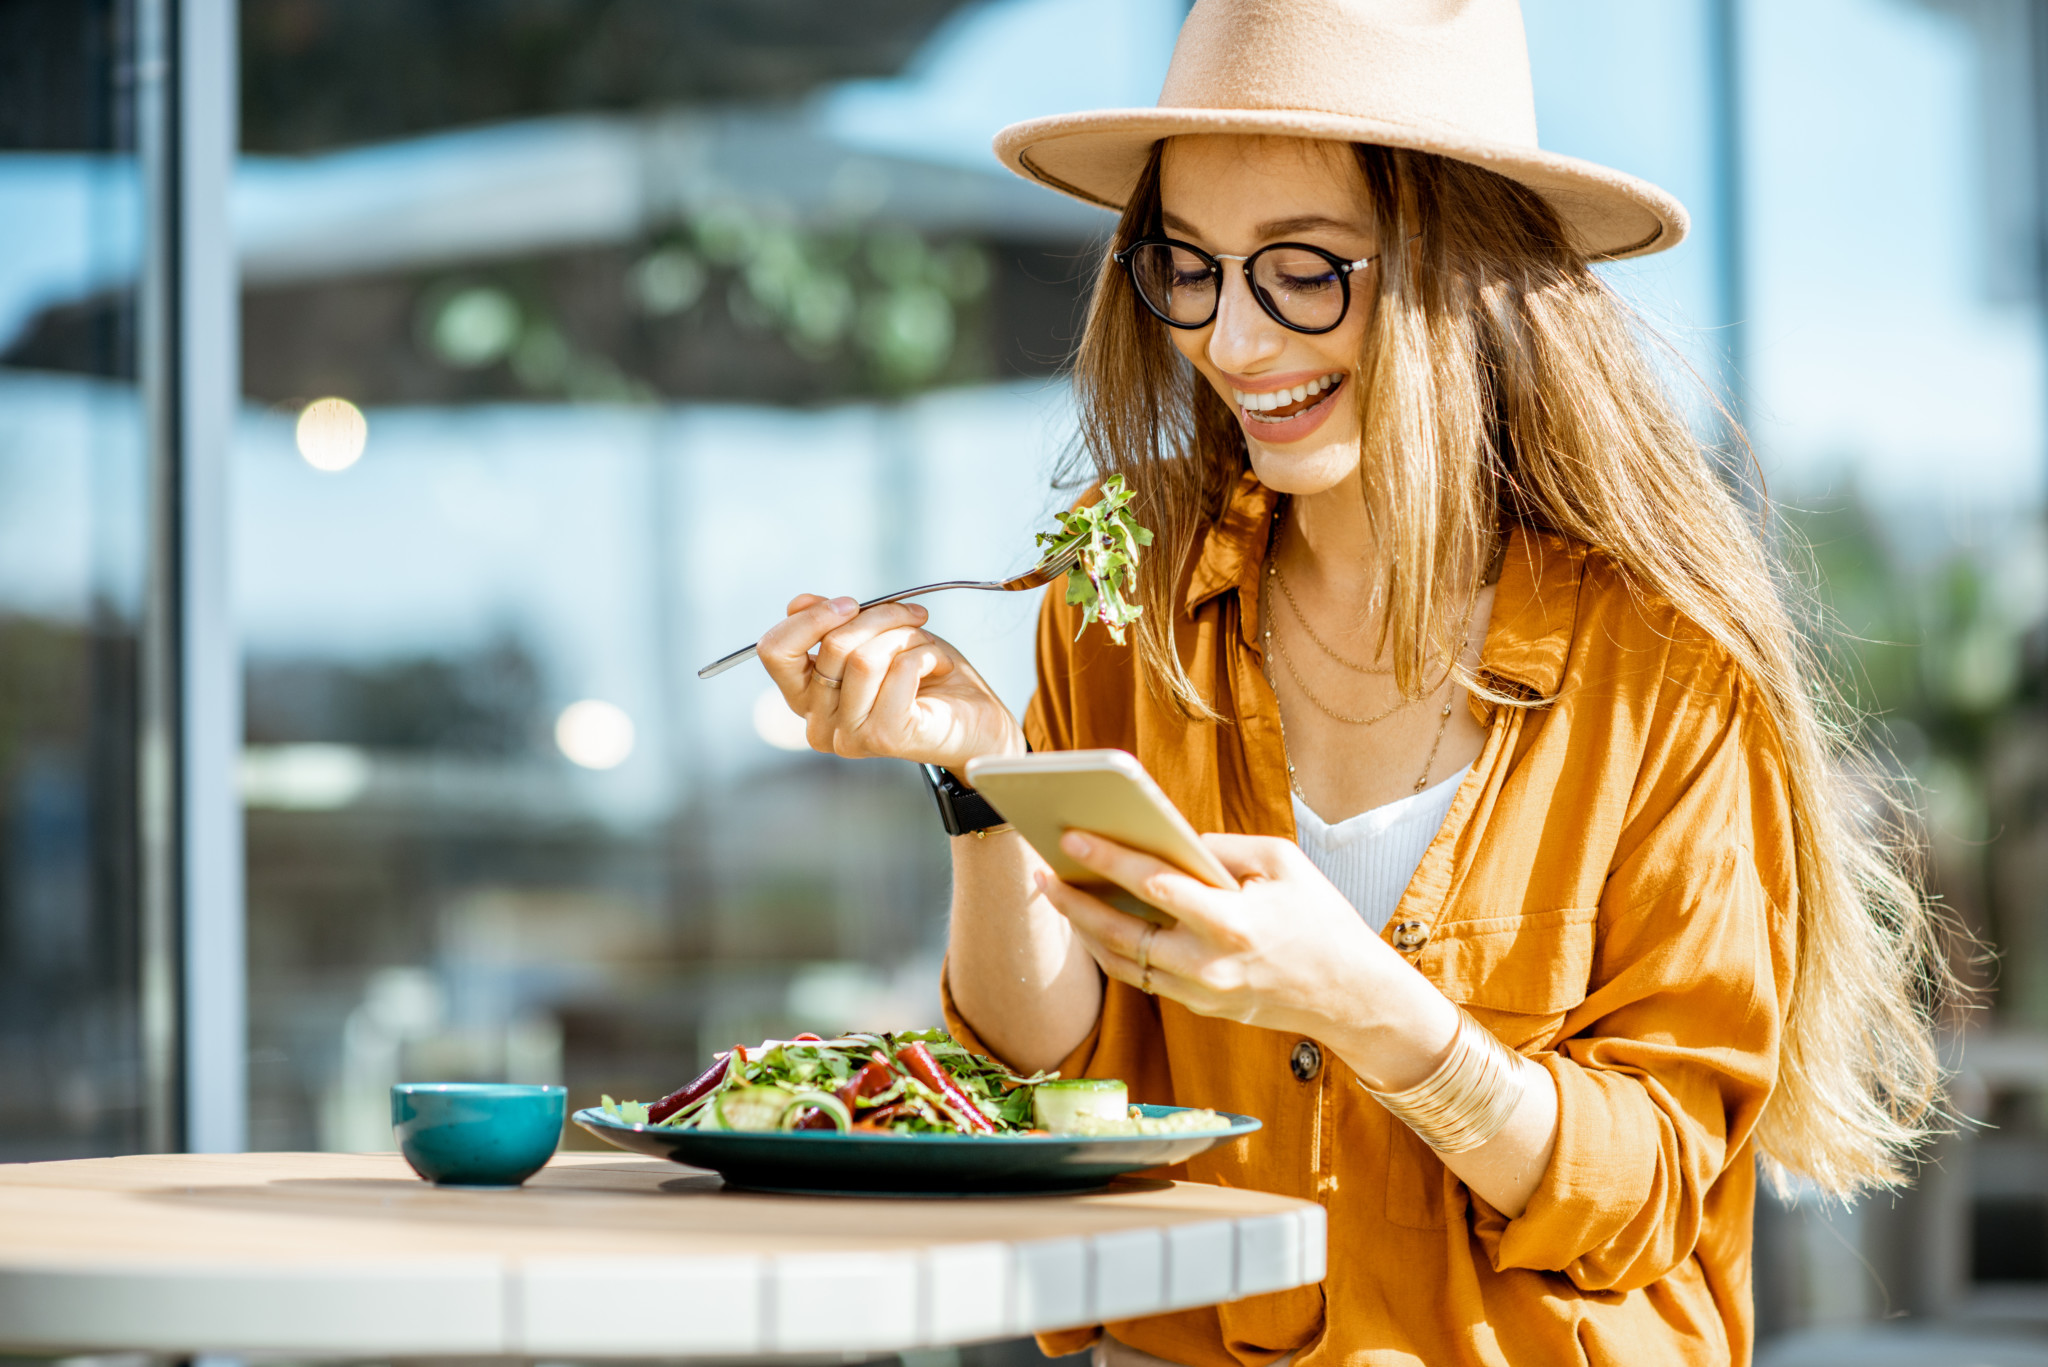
(1337, 263)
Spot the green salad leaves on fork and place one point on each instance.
(1107, 572)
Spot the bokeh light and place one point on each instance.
(476, 327)
(595, 734)
(776, 724)
(668, 281)
(331, 434)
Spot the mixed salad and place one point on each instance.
(1107, 572)
(915, 1082)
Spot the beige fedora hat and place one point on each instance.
(1443, 76)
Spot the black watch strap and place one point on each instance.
(962, 811)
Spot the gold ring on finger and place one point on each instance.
(825, 679)
(1145, 959)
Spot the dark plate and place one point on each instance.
(824, 1163)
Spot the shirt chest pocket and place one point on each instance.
(1518, 975)
(1539, 963)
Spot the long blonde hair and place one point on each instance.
(1501, 381)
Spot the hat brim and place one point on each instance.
(1096, 157)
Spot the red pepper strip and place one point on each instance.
(918, 1061)
(807, 1038)
(687, 1095)
(880, 1117)
(871, 1079)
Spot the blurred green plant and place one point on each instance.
(667, 281)
(471, 324)
(1933, 650)
(882, 293)
(883, 290)
(1928, 644)
(1860, 588)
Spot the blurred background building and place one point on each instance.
(576, 336)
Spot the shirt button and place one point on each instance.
(1307, 1060)
(1410, 936)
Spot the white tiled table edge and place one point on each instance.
(671, 1307)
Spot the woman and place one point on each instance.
(1553, 913)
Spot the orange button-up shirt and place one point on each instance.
(1612, 894)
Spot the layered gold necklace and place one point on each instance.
(1302, 617)
(1275, 646)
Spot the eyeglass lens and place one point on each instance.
(1300, 287)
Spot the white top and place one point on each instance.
(1372, 857)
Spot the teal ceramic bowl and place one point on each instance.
(477, 1134)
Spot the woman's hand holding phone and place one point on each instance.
(1284, 951)
(880, 685)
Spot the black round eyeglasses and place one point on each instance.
(1300, 287)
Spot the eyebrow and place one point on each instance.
(1278, 227)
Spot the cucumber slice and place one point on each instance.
(1066, 1104)
(751, 1108)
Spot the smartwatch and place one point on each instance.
(962, 811)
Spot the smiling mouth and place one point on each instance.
(1283, 405)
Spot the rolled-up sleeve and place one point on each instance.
(1663, 1071)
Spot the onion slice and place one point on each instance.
(833, 1108)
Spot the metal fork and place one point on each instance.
(1039, 575)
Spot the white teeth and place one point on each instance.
(1280, 398)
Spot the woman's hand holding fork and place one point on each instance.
(880, 685)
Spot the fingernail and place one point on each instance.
(1076, 844)
(1038, 880)
(844, 606)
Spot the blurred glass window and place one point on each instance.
(579, 338)
(72, 523)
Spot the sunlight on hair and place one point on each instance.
(331, 434)
(595, 734)
(776, 724)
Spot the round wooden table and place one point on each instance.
(598, 1255)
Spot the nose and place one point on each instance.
(1242, 336)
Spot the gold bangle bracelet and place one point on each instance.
(1470, 1097)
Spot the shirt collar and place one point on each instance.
(1535, 605)
(1535, 611)
(1233, 549)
